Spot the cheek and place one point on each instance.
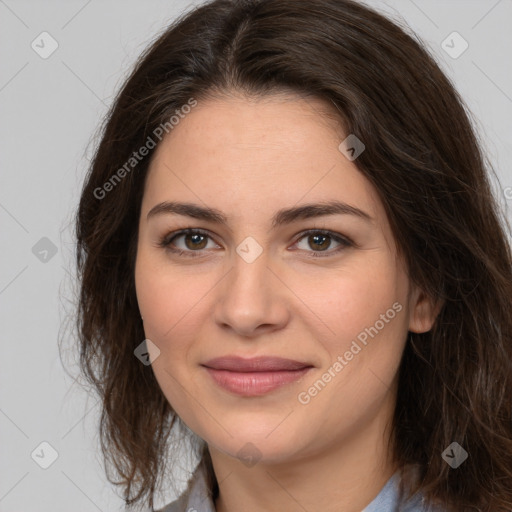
(365, 310)
(165, 312)
(355, 298)
(374, 318)
(158, 306)
(170, 301)
(169, 319)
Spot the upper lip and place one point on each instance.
(254, 364)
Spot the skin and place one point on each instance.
(249, 158)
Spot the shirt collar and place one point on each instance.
(199, 498)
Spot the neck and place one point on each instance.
(346, 475)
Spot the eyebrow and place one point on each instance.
(283, 216)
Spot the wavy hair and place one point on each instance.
(426, 162)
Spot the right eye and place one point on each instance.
(194, 240)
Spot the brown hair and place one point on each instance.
(424, 159)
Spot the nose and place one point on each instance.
(252, 299)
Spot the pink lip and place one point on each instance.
(255, 376)
(254, 364)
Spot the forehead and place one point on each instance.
(257, 153)
(266, 123)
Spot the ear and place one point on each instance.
(423, 311)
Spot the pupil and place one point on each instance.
(196, 238)
(316, 237)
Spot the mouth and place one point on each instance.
(255, 376)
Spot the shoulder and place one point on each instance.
(178, 505)
(196, 498)
(388, 500)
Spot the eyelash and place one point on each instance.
(165, 242)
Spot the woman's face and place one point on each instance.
(337, 299)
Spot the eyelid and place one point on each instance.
(323, 231)
(343, 240)
(166, 240)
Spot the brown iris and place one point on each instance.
(196, 238)
(312, 240)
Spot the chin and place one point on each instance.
(251, 446)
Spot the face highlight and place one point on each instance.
(288, 253)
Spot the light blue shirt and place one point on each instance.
(199, 499)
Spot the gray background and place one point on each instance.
(50, 111)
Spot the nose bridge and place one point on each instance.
(249, 297)
(249, 278)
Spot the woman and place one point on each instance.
(288, 249)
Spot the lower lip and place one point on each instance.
(255, 383)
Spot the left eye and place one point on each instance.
(322, 240)
(196, 240)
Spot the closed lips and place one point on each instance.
(256, 364)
